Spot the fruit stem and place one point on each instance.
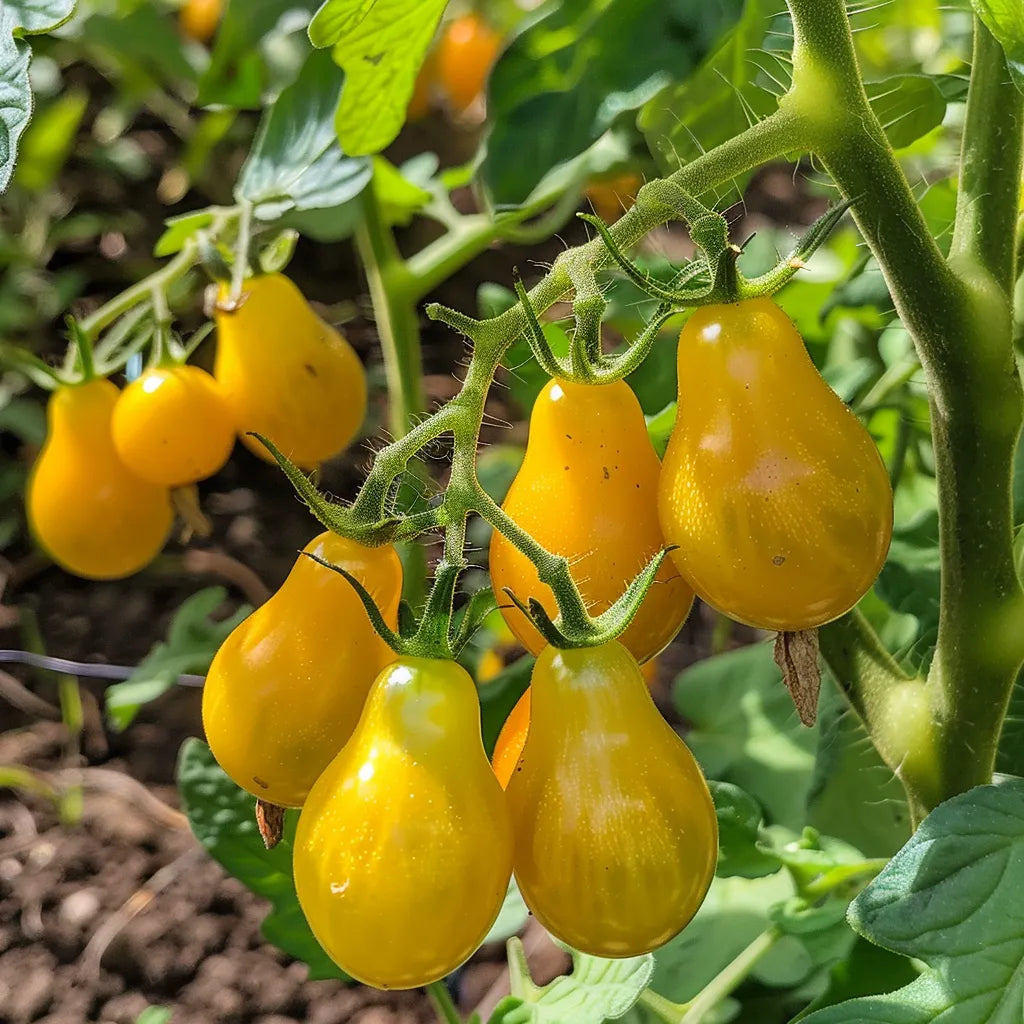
(243, 243)
(443, 1003)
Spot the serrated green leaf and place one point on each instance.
(1005, 20)
(563, 81)
(222, 816)
(192, 641)
(595, 991)
(947, 898)
(381, 45)
(745, 730)
(19, 18)
(295, 164)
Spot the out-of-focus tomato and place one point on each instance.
(286, 688)
(404, 847)
(90, 513)
(587, 489)
(616, 835)
(199, 18)
(775, 495)
(612, 197)
(468, 49)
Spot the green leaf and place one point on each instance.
(399, 197)
(381, 45)
(178, 230)
(1005, 20)
(154, 1015)
(564, 80)
(47, 141)
(595, 991)
(222, 817)
(745, 730)
(19, 18)
(948, 898)
(909, 580)
(192, 641)
(240, 70)
(295, 164)
(659, 427)
(740, 848)
(908, 106)
(740, 81)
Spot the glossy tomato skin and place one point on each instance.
(466, 53)
(616, 836)
(587, 489)
(87, 510)
(773, 491)
(171, 426)
(287, 375)
(403, 851)
(286, 688)
(511, 740)
(199, 18)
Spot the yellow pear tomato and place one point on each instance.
(465, 55)
(171, 426)
(403, 851)
(90, 513)
(287, 375)
(587, 489)
(775, 495)
(199, 18)
(511, 740)
(286, 688)
(616, 835)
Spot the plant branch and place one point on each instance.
(443, 1003)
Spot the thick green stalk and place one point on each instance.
(394, 305)
(958, 314)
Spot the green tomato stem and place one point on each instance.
(959, 316)
(394, 299)
(443, 1004)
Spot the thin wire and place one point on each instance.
(85, 669)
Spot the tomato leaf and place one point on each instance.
(595, 991)
(240, 69)
(192, 641)
(178, 230)
(223, 819)
(1005, 20)
(563, 81)
(745, 731)
(741, 847)
(946, 899)
(908, 106)
(18, 19)
(295, 165)
(381, 45)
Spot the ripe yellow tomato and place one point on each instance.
(87, 510)
(587, 489)
(612, 197)
(616, 835)
(287, 375)
(773, 491)
(468, 49)
(403, 851)
(286, 688)
(199, 18)
(171, 426)
(511, 740)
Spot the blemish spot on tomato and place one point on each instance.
(259, 782)
(778, 559)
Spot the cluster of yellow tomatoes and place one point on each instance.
(99, 496)
(780, 511)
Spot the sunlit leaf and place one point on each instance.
(1005, 20)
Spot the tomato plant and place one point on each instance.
(667, 395)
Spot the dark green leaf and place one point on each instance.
(296, 164)
(381, 45)
(1005, 20)
(192, 641)
(947, 898)
(564, 81)
(19, 18)
(740, 850)
(222, 817)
